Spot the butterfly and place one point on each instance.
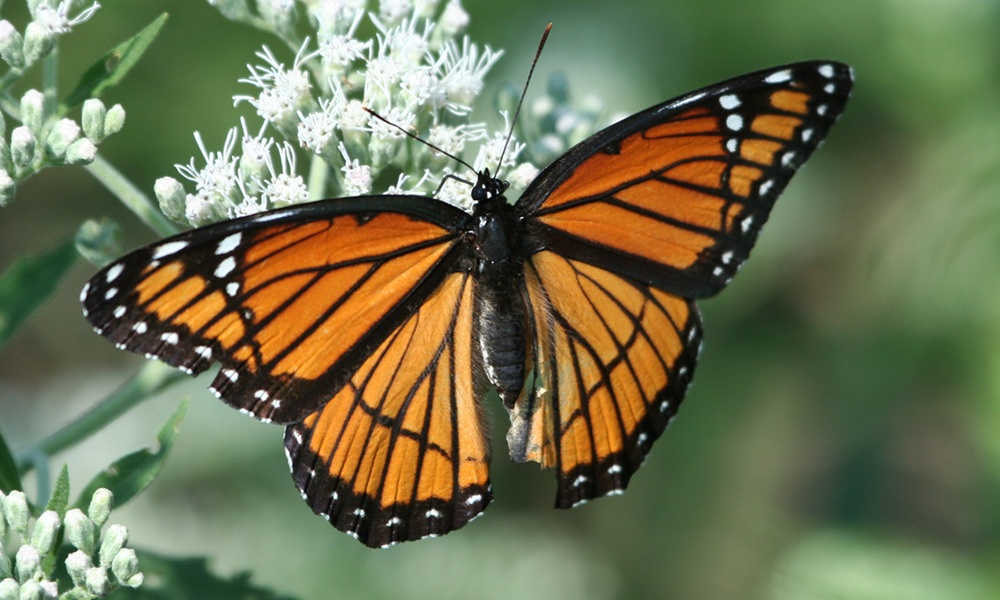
(372, 327)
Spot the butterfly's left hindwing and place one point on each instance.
(400, 453)
(289, 302)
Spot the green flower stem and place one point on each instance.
(131, 196)
(10, 78)
(318, 172)
(151, 378)
(50, 75)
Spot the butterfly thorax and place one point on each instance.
(501, 316)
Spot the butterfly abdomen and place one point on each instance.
(501, 315)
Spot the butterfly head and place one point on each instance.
(488, 188)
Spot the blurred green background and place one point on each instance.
(842, 437)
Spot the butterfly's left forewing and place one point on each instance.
(289, 302)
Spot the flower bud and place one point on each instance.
(125, 566)
(454, 19)
(38, 42)
(31, 590)
(114, 120)
(33, 110)
(114, 540)
(5, 566)
(77, 564)
(15, 511)
(80, 530)
(281, 16)
(9, 589)
(27, 562)
(100, 506)
(62, 134)
(81, 152)
(96, 581)
(92, 117)
(22, 147)
(11, 45)
(170, 194)
(7, 189)
(43, 536)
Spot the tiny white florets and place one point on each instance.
(417, 71)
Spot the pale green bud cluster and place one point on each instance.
(45, 137)
(43, 140)
(100, 564)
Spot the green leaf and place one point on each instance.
(57, 502)
(130, 474)
(9, 479)
(60, 494)
(29, 282)
(113, 66)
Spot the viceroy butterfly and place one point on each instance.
(371, 326)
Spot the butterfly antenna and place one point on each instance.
(419, 139)
(524, 90)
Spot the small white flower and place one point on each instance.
(251, 205)
(394, 10)
(462, 71)
(337, 50)
(491, 153)
(318, 129)
(285, 188)
(353, 116)
(403, 43)
(56, 19)
(256, 150)
(357, 177)
(217, 178)
(283, 91)
(454, 19)
(453, 139)
(419, 86)
(399, 118)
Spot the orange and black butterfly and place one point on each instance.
(372, 327)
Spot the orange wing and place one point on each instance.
(400, 453)
(613, 359)
(627, 228)
(675, 196)
(290, 302)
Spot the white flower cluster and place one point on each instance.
(415, 69)
(99, 565)
(44, 138)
